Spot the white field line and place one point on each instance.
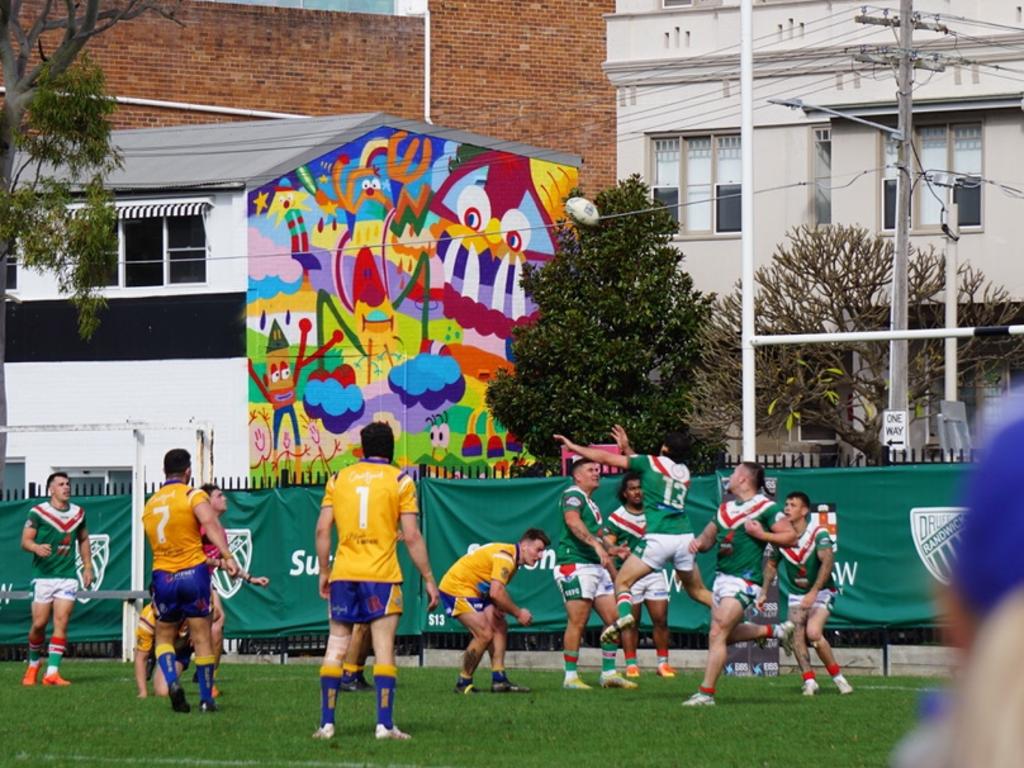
(26, 757)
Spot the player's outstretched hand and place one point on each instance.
(762, 598)
(259, 581)
(232, 567)
(433, 594)
(524, 617)
(621, 439)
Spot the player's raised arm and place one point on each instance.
(599, 455)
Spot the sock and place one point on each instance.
(35, 649)
(707, 691)
(833, 670)
(384, 679)
(569, 659)
(608, 658)
(809, 675)
(498, 676)
(624, 605)
(358, 673)
(663, 656)
(464, 682)
(348, 672)
(776, 631)
(165, 658)
(330, 679)
(630, 658)
(204, 674)
(56, 653)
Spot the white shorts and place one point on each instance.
(826, 599)
(653, 586)
(659, 549)
(583, 581)
(735, 587)
(48, 590)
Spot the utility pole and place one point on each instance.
(898, 319)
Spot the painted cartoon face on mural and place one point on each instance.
(396, 259)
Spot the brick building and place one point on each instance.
(498, 68)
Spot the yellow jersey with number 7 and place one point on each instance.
(172, 527)
(367, 500)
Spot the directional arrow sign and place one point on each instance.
(894, 430)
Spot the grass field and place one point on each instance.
(269, 712)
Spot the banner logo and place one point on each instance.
(936, 531)
(99, 547)
(240, 544)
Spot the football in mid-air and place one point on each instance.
(582, 211)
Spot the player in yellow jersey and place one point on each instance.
(145, 631)
(181, 579)
(368, 504)
(474, 592)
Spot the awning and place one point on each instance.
(151, 210)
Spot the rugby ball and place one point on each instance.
(582, 211)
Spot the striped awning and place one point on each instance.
(151, 210)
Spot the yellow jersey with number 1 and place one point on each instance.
(367, 499)
(172, 527)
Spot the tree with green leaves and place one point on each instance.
(616, 336)
(839, 278)
(55, 151)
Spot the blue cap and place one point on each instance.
(990, 557)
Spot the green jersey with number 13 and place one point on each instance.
(665, 484)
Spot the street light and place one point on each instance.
(898, 307)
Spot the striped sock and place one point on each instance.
(630, 658)
(384, 679)
(833, 670)
(330, 679)
(570, 659)
(624, 605)
(204, 674)
(35, 649)
(56, 651)
(166, 658)
(809, 675)
(608, 658)
(706, 691)
(663, 656)
(348, 672)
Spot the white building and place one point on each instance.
(676, 66)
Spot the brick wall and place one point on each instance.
(499, 68)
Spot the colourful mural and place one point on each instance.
(384, 285)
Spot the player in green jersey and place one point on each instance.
(52, 532)
(626, 527)
(805, 577)
(582, 561)
(665, 480)
(743, 527)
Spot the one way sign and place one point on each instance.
(894, 430)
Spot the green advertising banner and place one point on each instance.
(460, 515)
(895, 529)
(109, 522)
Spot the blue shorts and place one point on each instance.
(181, 595)
(456, 605)
(360, 602)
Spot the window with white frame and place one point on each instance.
(822, 175)
(161, 250)
(890, 182)
(701, 176)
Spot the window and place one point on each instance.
(164, 250)
(12, 273)
(822, 175)
(890, 184)
(951, 150)
(705, 171)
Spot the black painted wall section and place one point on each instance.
(207, 326)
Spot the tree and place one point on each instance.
(55, 150)
(839, 278)
(615, 341)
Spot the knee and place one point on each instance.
(813, 635)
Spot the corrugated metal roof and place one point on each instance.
(248, 154)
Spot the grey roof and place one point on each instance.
(249, 154)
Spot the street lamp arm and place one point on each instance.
(801, 104)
